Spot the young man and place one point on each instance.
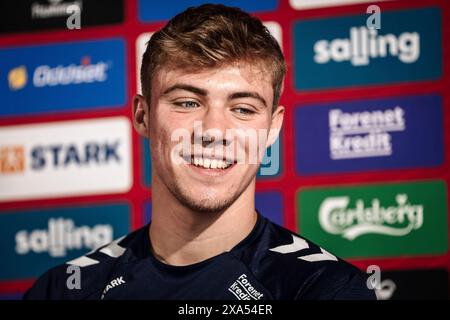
(210, 71)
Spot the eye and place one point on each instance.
(187, 104)
(243, 111)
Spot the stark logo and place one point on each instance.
(12, 159)
(114, 283)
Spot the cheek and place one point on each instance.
(261, 129)
(162, 142)
(159, 129)
(159, 138)
(166, 142)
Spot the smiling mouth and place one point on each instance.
(209, 163)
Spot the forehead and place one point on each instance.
(227, 77)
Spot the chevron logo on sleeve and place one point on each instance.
(299, 244)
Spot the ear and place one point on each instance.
(140, 115)
(275, 126)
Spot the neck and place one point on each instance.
(180, 236)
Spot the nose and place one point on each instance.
(214, 118)
(213, 128)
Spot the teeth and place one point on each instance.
(210, 163)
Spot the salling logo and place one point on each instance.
(62, 235)
(363, 134)
(364, 44)
(335, 217)
(45, 75)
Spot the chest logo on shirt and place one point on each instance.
(114, 283)
(242, 289)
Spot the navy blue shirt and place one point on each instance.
(270, 263)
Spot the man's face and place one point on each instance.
(201, 112)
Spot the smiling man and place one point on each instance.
(211, 83)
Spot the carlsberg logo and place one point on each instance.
(336, 217)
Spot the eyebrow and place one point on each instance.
(179, 86)
(203, 92)
(247, 94)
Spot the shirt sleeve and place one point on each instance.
(337, 282)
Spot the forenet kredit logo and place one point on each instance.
(337, 217)
(346, 136)
(365, 133)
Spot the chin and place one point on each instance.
(207, 206)
(210, 202)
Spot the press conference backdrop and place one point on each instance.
(362, 165)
